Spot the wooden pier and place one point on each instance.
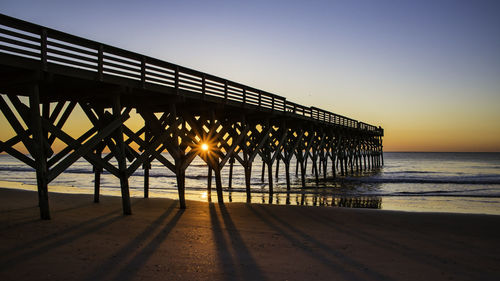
(46, 74)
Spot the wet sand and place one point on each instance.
(87, 241)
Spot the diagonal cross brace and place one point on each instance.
(84, 149)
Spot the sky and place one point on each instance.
(428, 72)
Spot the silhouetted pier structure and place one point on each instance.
(185, 112)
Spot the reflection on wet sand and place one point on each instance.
(310, 199)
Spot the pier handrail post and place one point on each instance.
(203, 87)
(176, 82)
(100, 62)
(225, 91)
(143, 72)
(43, 48)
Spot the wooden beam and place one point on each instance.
(151, 150)
(40, 156)
(63, 119)
(120, 157)
(18, 128)
(24, 112)
(8, 147)
(84, 149)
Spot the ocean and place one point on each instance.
(408, 181)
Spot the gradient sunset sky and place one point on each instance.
(428, 72)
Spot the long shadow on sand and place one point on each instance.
(118, 257)
(11, 253)
(130, 269)
(243, 266)
(340, 263)
(29, 217)
(57, 239)
(403, 250)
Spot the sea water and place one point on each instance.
(431, 182)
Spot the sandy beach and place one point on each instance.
(88, 241)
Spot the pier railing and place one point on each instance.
(48, 46)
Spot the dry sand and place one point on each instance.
(87, 241)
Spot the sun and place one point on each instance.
(204, 147)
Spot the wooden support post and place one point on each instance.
(97, 179)
(333, 158)
(209, 183)
(381, 151)
(146, 166)
(303, 174)
(263, 170)
(346, 163)
(341, 160)
(360, 157)
(277, 167)
(230, 180)
(364, 158)
(358, 154)
(287, 175)
(40, 156)
(360, 160)
(46, 116)
(368, 156)
(356, 160)
(218, 185)
(247, 167)
(248, 176)
(121, 159)
(98, 170)
(315, 168)
(297, 167)
(372, 158)
(181, 181)
(325, 160)
(351, 160)
(305, 161)
(270, 177)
